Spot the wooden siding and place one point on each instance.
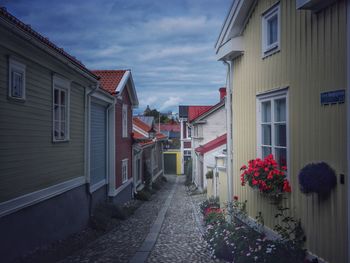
(29, 160)
(312, 60)
(123, 148)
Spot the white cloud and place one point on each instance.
(169, 103)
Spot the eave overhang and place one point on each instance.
(231, 49)
(229, 43)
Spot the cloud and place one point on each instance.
(170, 103)
(169, 47)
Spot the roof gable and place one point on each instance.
(229, 42)
(116, 81)
(195, 111)
(210, 111)
(109, 79)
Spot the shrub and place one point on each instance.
(240, 243)
(209, 174)
(143, 195)
(213, 216)
(212, 202)
(317, 178)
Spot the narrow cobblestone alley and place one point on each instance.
(179, 238)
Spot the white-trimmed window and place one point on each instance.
(125, 120)
(17, 80)
(61, 101)
(189, 131)
(271, 30)
(124, 170)
(272, 126)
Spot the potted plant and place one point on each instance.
(266, 176)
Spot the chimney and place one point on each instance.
(222, 92)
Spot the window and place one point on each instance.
(124, 170)
(60, 109)
(273, 126)
(17, 79)
(271, 30)
(125, 120)
(189, 132)
(187, 153)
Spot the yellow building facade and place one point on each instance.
(309, 59)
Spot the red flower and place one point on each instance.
(235, 197)
(286, 186)
(243, 167)
(254, 182)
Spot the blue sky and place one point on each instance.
(168, 45)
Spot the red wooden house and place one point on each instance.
(120, 84)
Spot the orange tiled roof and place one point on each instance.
(109, 79)
(143, 126)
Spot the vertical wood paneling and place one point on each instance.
(29, 160)
(311, 61)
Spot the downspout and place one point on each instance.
(87, 143)
(111, 147)
(348, 118)
(229, 132)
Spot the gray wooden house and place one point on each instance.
(54, 122)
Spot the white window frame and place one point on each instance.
(188, 131)
(125, 170)
(125, 121)
(275, 47)
(272, 96)
(16, 67)
(61, 84)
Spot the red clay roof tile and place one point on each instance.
(109, 79)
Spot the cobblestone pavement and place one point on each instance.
(121, 244)
(179, 239)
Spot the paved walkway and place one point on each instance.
(161, 230)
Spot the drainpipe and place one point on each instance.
(348, 118)
(87, 143)
(229, 131)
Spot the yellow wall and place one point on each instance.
(178, 160)
(312, 60)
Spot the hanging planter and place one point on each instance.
(317, 178)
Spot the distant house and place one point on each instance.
(120, 84)
(53, 126)
(187, 113)
(171, 130)
(288, 70)
(147, 152)
(208, 137)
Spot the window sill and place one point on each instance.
(15, 99)
(60, 141)
(270, 52)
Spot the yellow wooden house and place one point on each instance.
(283, 59)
